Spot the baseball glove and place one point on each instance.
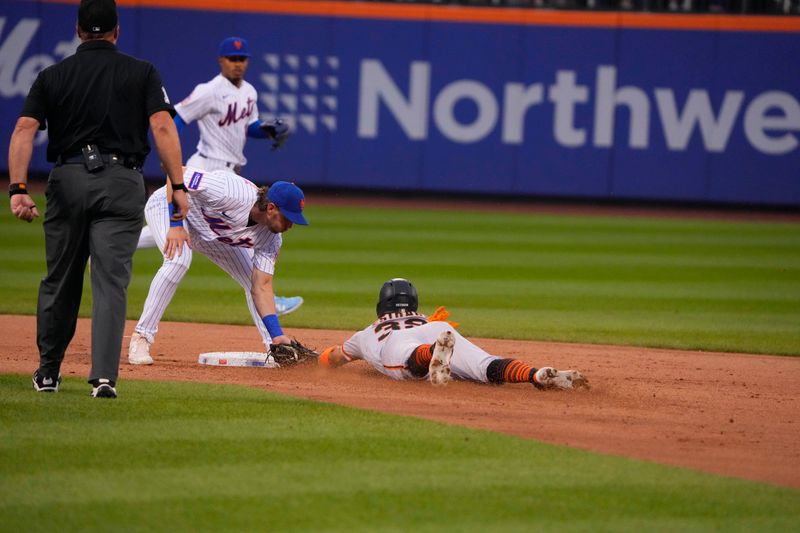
(277, 130)
(292, 354)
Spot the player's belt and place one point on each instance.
(107, 158)
(233, 166)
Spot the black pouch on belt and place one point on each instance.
(92, 158)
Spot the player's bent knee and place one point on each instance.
(174, 270)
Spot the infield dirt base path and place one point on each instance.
(730, 414)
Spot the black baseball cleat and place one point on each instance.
(43, 383)
(103, 388)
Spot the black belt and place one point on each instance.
(227, 164)
(108, 159)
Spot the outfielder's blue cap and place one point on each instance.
(290, 200)
(234, 46)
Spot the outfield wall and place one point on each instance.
(481, 100)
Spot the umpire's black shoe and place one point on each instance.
(103, 388)
(42, 383)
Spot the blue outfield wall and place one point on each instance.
(526, 110)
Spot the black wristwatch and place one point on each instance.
(179, 187)
(17, 188)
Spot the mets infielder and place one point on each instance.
(404, 344)
(235, 224)
(226, 112)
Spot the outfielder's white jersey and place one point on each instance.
(220, 204)
(223, 112)
(388, 342)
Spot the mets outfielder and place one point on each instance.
(404, 344)
(235, 224)
(226, 112)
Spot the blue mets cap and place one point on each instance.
(234, 46)
(290, 200)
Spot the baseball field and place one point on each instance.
(686, 325)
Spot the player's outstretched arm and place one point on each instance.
(275, 129)
(264, 298)
(334, 357)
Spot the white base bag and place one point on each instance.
(251, 359)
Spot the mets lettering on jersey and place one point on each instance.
(233, 115)
(218, 225)
(244, 242)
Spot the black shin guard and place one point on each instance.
(496, 370)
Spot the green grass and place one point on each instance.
(176, 456)
(190, 457)
(692, 284)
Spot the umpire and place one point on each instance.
(96, 106)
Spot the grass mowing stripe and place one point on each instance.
(769, 291)
(493, 241)
(221, 457)
(575, 256)
(525, 272)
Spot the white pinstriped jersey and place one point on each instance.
(220, 204)
(223, 112)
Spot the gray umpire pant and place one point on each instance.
(98, 214)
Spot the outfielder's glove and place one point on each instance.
(277, 130)
(292, 354)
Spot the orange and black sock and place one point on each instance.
(509, 371)
(419, 360)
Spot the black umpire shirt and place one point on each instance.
(97, 96)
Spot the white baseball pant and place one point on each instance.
(146, 239)
(469, 360)
(236, 261)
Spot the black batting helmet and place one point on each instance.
(397, 294)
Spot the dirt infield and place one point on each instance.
(731, 414)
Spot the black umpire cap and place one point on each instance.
(97, 16)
